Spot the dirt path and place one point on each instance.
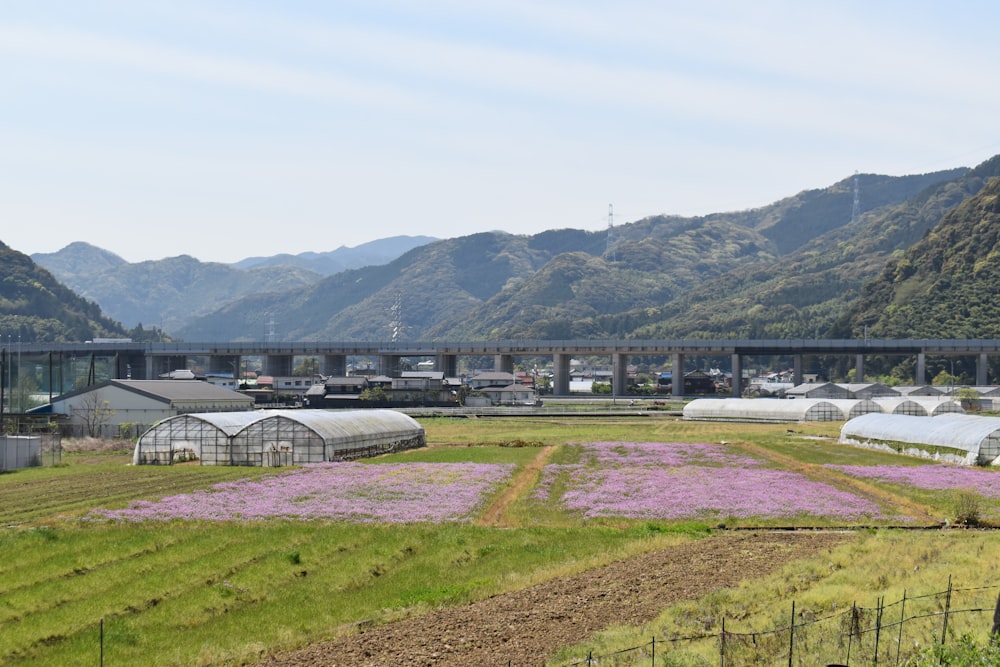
(525, 627)
(920, 513)
(496, 513)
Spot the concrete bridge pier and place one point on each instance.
(619, 374)
(448, 364)
(677, 374)
(920, 377)
(982, 370)
(737, 389)
(278, 365)
(390, 364)
(560, 377)
(859, 368)
(333, 365)
(797, 369)
(503, 363)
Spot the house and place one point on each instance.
(695, 382)
(513, 394)
(100, 410)
(348, 385)
(419, 381)
(491, 379)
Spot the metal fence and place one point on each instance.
(887, 633)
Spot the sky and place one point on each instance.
(226, 130)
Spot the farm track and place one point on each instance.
(915, 511)
(526, 627)
(497, 513)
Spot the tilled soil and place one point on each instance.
(525, 627)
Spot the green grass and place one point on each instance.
(886, 564)
(182, 593)
(167, 592)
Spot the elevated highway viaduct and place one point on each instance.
(55, 361)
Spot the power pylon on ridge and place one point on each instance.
(396, 321)
(609, 252)
(856, 208)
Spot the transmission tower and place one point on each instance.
(856, 208)
(609, 253)
(269, 334)
(396, 320)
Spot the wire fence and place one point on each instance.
(887, 633)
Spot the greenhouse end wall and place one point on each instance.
(278, 437)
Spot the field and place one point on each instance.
(549, 537)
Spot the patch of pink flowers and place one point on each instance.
(356, 492)
(936, 476)
(691, 481)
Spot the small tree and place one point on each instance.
(374, 394)
(308, 367)
(95, 412)
(969, 398)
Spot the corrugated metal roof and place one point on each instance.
(181, 390)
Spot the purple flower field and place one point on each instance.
(938, 477)
(357, 492)
(691, 481)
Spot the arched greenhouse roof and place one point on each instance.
(776, 409)
(920, 406)
(277, 437)
(978, 437)
(189, 432)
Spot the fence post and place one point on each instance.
(722, 642)
(878, 625)
(653, 661)
(791, 636)
(902, 618)
(947, 608)
(102, 641)
(850, 630)
(996, 623)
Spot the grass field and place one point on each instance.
(189, 592)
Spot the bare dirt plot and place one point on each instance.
(525, 627)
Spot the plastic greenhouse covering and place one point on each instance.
(978, 437)
(920, 406)
(778, 410)
(277, 437)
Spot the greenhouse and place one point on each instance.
(277, 437)
(777, 410)
(956, 437)
(920, 406)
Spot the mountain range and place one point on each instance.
(895, 256)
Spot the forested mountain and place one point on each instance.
(946, 284)
(858, 255)
(35, 307)
(808, 292)
(803, 257)
(164, 293)
(373, 253)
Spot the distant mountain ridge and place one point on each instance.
(570, 284)
(810, 265)
(380, 251)
(167, 293)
